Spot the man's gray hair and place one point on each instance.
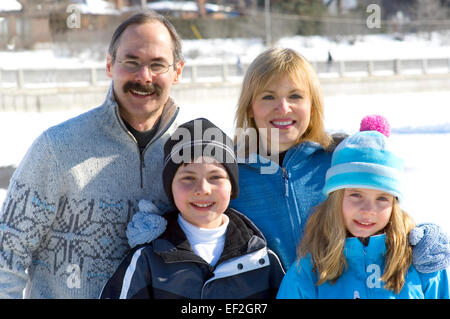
(141, 18)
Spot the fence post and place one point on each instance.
(1, 88)
(20, 79)
(193, 73)
(93, 76)
(397, 66)
(341, 68)
(370, 68)
(424, 66)
(224, 72)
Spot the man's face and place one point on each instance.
(141, 95)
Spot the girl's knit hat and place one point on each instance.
(365, 160)
(194, 139)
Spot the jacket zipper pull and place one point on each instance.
(141, 157)
(286, 181)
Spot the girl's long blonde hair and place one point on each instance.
(267, 67)
(325, 236)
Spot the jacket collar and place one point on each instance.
(112, 115)
(375, 249)
(299, 152)
(242, 237)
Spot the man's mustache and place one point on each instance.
(148, 88)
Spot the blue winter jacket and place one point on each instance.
(362, 277)
(283, 196)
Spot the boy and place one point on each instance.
(208, 250)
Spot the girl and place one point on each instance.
(356, 243)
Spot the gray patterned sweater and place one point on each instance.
(63, 221)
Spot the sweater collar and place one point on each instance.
(112, 114)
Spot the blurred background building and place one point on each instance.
(29, 24)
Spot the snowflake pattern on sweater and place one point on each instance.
(63, 221)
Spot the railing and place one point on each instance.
(219, 73)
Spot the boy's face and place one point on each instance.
(201, 192)
(366, 212)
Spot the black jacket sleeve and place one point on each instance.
(132, 278)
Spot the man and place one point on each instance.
(62, 224)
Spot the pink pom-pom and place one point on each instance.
(375, 123)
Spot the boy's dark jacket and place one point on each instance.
(169, 268)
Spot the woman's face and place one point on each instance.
(284, 106)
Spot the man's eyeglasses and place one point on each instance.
(133, 66)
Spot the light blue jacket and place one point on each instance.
(283, 196)
(362, 277)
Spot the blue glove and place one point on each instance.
(431, 248)
(146, 225)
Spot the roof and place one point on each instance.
(10, 5)
(95, 7)
(182, 6)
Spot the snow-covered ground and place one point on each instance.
(314, 48)
(425, 153)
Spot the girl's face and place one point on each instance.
(201, 192)
(366, 212)
(283, 106)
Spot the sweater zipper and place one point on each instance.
(286, 181)
(141, 154)
(142, 166)
(156, 137)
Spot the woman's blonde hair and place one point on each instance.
(325, 236)
(267, 67)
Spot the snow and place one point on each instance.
(44, 59)
(95, 7)
(414, 46)
(10, 5)
(173, 5)
(314, 48)
(182, 6)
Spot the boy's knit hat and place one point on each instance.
(365, 160)
(194, 139)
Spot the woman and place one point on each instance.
(281, 178)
